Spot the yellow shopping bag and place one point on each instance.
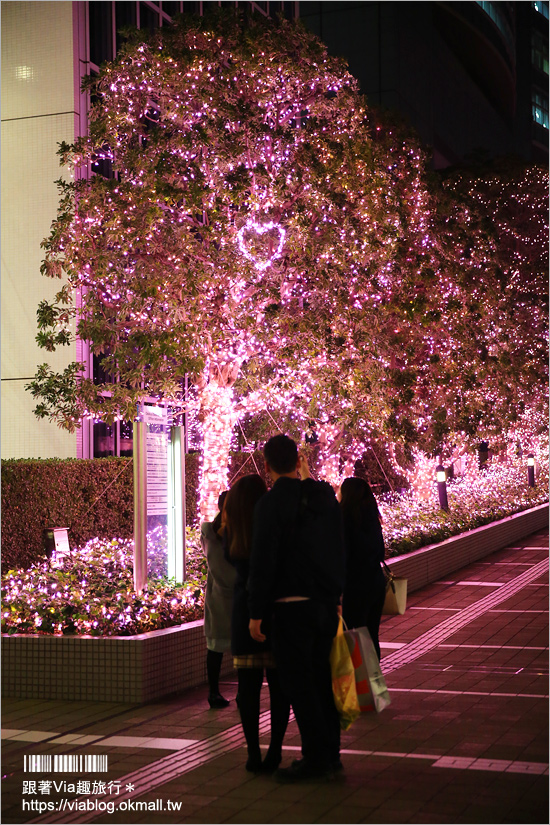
(343, 680)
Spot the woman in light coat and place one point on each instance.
(218, 602)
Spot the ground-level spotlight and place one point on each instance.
(441, 477)
(531, 470)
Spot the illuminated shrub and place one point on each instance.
(92, 593)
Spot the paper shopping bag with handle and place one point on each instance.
(343, 680)
(370, 684)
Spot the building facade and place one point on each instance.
(41, 106)
(468, 76)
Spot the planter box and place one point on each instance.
(151, 665)
(106, 668)
(421, 567)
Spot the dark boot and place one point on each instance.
(213, 667)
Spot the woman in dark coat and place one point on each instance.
(251, 658)
(365, 586)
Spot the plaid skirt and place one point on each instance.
(255, 660)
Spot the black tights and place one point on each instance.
(250, 686)
(213, 667)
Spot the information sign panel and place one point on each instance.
(156, 419)
(159, 497)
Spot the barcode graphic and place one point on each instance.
(66, 763)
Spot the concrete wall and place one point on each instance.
(39, 109)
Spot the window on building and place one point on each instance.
(101, 164)
(116, 439)
(125, 15)
(148, 17)
(539, 52)
(541, 7)
(498, 18)
(191, 7)
(99, 374)
(539, 101)
(126, 438)
(101, 32)
(104, 440)
(170, 8)
(287, 8)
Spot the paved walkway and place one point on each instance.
(464, 740)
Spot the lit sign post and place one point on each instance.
(159, 497)
(140, 505)
(56, 542)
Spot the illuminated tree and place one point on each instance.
(481, 372)
(359, 387)
(248, 201)
(508, 202)
(457, 353)
(268, 236)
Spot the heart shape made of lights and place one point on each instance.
(260, 260)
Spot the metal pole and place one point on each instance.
(185, 414)
(140, 505)
(176, 513)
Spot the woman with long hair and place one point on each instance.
(218, 603)
(250, 657)
(365, 587)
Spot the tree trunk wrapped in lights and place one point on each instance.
(218, 419)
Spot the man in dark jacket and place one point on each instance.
(296, 574)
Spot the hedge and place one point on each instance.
(92, 497)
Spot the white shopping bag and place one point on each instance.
(369, 681)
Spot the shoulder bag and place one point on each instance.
(396, 593)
